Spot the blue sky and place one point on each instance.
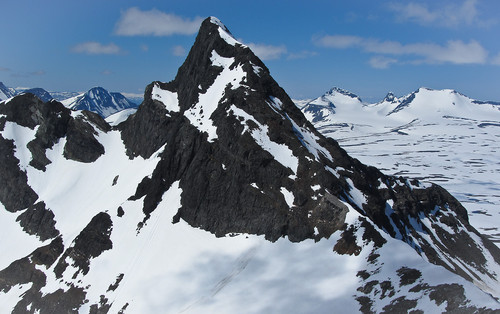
(368, 47)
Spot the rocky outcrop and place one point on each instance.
(15, 193)
(53, 122)
(37, 220)
(91, 242)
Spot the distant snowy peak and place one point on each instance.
(333, 101)
(337, 90)
(6, 92)
(100, 101)
(425, 102)
(390, 98)
(40, 93)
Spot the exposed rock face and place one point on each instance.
(37, 220)
(54, 121)
(15, 193)
(25, 270)
(90, 243)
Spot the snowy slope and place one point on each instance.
(100, 101)
(217, 195)
(438, 136)
(120, 116)
(5, 92)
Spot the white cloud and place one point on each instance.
(454, 51)
(267, 52)
(381, 62)
(95, 48)
(178, 51)
(37, 73)
(28, 74)
(301, 55)
(338, 41)
(134, 22)
(452, 15)
(496, 60)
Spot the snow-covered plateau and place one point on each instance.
(438, 136)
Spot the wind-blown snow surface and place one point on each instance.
(120, 116)
(438, 136)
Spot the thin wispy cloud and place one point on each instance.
(96, 48)
(301, 55)
(28, 74)
(135, 22)
(381, 62)
(496, 59)
(37, 73)
(267, 52)
(452, 15)
(2, 69)
(178, 51)
(453, 51)
(338, 41)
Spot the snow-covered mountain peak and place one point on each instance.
(338, 90)
(214, 20)
(217, 72)
(100, 101)
(425, 103)
(333, 102)
(390, 98)
(224, 32)
(5, 92)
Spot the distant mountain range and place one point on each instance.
(97, 99)
(100, 101)
(341, 111)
